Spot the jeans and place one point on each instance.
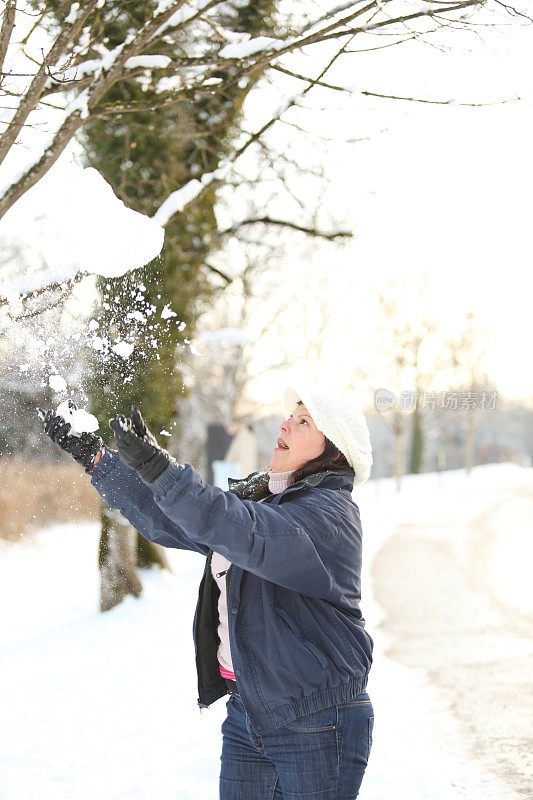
(321, 756)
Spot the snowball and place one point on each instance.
(57, 383)
(80, 420)
(123, 349)
(164, 433)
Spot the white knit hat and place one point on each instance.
(341, 422)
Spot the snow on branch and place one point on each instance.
(79, 73)
(86, 82)
(181, 198)
(250, 47)
(87, 230)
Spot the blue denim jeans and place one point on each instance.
(322, 756)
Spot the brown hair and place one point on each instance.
(331, 458)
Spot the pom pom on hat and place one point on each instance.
(341, 422)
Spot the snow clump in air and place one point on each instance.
(80, 420)
(167, 312)
(57, 383)
(123, 349)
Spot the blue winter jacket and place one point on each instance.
(297, 636)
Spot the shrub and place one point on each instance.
(34, 494)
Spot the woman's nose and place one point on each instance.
(284, 427)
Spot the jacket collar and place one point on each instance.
(330, 479)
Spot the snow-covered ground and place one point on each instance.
(104, 705)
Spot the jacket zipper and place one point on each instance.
(228, 573)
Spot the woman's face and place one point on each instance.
(299, 441)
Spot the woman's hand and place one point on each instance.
(137, 447)
(83, 448)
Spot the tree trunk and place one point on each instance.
(470, 439)
(417, 442)
(117, 560)
(150, 554)
(399, 464)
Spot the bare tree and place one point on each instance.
(63, 78)
(467, 350)
(405, 332)
(223, 375)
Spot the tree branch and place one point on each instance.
(8, 23)
(285, 71)
(30, 99)
(34, 294)
(513, 11)
(88, 101)
(328, 15)
(41, 167)
(100, 84)
(431, 13)
(219, 272)
(329, 236)
(439, 102)
(257, 134)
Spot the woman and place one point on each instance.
(278, 624)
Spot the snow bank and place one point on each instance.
(511, 553)
(100, 705)
(111, 711)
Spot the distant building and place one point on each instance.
(231, 453)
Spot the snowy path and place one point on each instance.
(450, 606)
(105, 705)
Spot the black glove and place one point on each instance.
(137, 447)
(82, 448)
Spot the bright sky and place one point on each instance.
(443, 189)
